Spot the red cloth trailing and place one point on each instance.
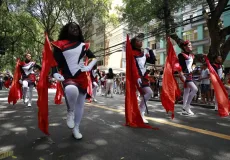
(132, 112)
(42, 87)
(170, 88)
(220, 91)
(15, 92)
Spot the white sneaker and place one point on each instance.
(25, 100)
(76, 133)
(29, 105)
(94, 100)
(187, 111)
(70, 120)
(143, 117)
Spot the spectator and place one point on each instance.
(205, 84)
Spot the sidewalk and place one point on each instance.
(208, 106)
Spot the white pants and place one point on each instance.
(76, 101)
(95, 86)
(27, 91)
(147, 95)
(109, 86)
(189, 92)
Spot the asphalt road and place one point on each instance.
(202, 137)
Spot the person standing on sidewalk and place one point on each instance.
(205, 84)
(69, 52)
(109, 82)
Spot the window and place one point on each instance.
(188, 36)
(154, 46)
(157, 45)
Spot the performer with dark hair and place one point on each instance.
(141, 58)
(28, 78)
(69, 53)
(109, 82)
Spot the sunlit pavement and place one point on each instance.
(202, 137)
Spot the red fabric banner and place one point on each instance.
(15, 92)
(42, 87)
(170, 88)
(90, 86)
(59, 94)
(220, 91)
(132, 112)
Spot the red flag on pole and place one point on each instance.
(59, 94)
(220, 91)
(42, 87)
(90, 86)
(170, 88)
(132, 112)
(15, 92)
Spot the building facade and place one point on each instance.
(196, 32)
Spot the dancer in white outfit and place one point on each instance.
(70, 52)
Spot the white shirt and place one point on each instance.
(204, 74)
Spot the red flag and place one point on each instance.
(59, 94)
(132, 112)
(42, 87)
(220, 91)
(90, 86)
(170, 88)
(15, 92)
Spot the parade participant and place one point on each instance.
(141, 57)
(69, 53)
(94, 78)
(218, 67)
(7, 80)
(28, 78)
(190, 89)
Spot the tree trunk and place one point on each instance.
(215, 38)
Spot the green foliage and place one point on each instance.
(23, 23)
(138, 12)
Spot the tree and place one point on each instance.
(23, 23)
(87, 13)
(220, 44)
(138, 12)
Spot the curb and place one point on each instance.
(194, 104)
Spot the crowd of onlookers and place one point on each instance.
(201, 78)
(205, 94)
